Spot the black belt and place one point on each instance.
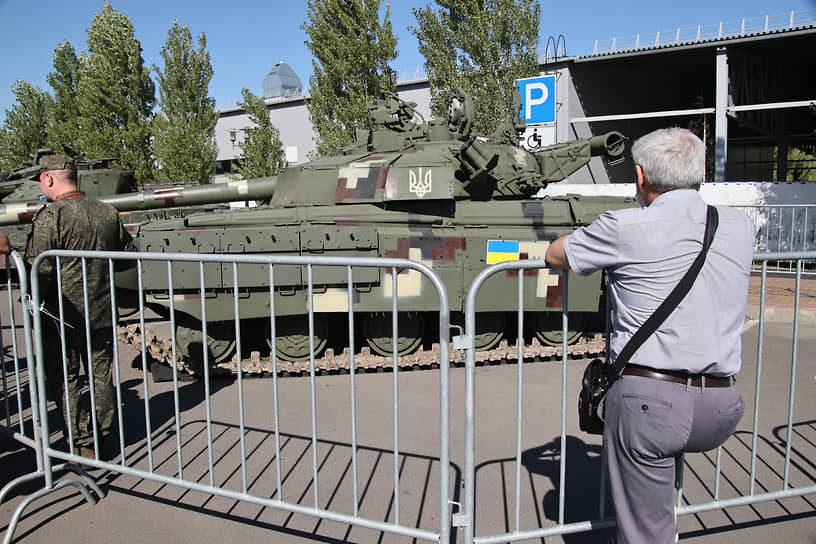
(678, 377)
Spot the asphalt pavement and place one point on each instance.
(141, 511)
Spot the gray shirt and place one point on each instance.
(646, 251)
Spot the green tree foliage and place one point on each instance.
(262, 149)
(115, 95)
(801, 163)
(351, 49)
(63, 81)
(482, 46)
(26, 126)
(4, 138)
(183, 141)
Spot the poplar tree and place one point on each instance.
(26, 126)
(351, 50)
(262, 150)
(4, 137)
(63, 80)
(115, 95)
(183, 141)
(482, 46)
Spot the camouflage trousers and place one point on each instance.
(76, 413)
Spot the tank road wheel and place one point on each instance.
(379, 336)
(292, 340)
(489, 330)
(220, 341)
(546, 326)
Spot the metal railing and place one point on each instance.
(19, 392)
(748, 493)
(700, 33)
(231, 458)
(23, 415)
(783, 228)
(260, 457)
(525, 493)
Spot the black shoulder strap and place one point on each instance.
(671, 302)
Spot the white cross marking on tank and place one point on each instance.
(546, 276)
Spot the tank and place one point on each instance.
(20, 194)
(428, 191)
(95, 177)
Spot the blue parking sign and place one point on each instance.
(537, 99)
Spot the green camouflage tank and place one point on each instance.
(432, 192)
(20, 194)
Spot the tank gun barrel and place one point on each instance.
(557, 162)
(216, 193)
(611, 144)
(19, 212)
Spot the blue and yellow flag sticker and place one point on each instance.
(499, 251)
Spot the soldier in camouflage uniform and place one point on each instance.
(75, 222)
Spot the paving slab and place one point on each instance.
(780, 297)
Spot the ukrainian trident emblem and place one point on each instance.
(417, 184)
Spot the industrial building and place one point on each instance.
(749, 91)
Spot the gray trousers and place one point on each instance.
(648, 423)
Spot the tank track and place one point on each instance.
(160, 350)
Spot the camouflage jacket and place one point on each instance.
(75, 222)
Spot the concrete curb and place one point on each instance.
(780, 314)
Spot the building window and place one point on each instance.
(223, 167)
(756, 163)
(291, 154)
(750, 163)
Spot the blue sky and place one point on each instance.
(246, 38)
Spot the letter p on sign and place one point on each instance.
(529, 101)
(538, 99)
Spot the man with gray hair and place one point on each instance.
(676, 393)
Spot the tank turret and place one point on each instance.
(400, 160)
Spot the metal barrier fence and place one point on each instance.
(786, 489)
(261, 463)
(19, 393)
(262, 458)
(783, 227)
(22, 421)
(727, 467)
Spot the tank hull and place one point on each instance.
(457, 246)
(457, 249)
